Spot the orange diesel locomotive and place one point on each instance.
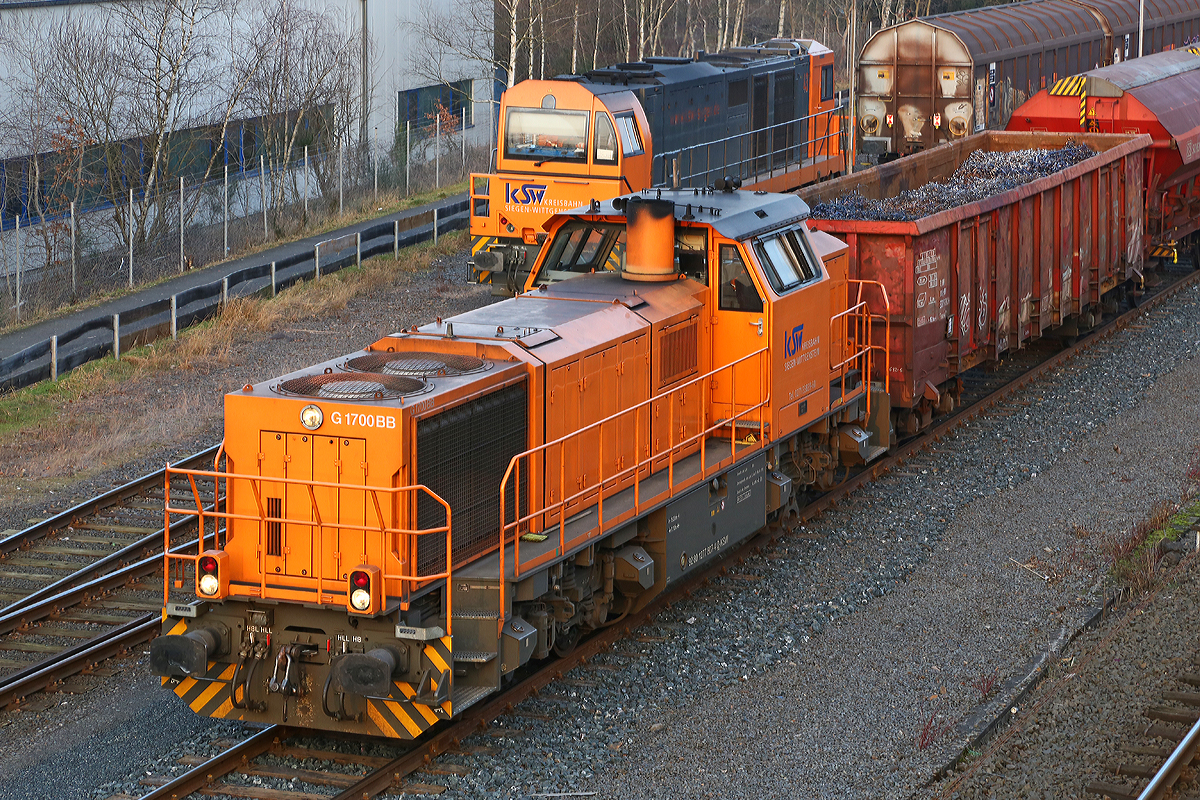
(398, 530)
(766, 114)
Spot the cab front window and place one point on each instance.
(606, 140)
(581, 247)
(543, 134)
(787, 260)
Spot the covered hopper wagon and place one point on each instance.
(1158, 95)
(969, 283)
(939, 78)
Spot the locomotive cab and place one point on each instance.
(558, 145)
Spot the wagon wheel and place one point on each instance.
(566, 640)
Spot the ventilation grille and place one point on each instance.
(340, 386)
(417, 364)
(462, 455)
(274, 527)
(678, 352)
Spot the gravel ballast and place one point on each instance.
(811, 669)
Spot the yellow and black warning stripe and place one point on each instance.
(404, 719)
(1069, 87)
(1165, 251)
(1194, 50)
(482, 243)
(1083, 111)
(209, 696)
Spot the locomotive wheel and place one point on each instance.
(565, 641)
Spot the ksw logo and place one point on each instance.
(793, 340)
(528, 194)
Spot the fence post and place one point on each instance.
(54, 357)
(131, 238)
(182, 265)
(19, 266)
(116, 337)
(464, 143)
(306, 183)
(224, 291)
(358, 248)
(396, 239)
(435, 225)
(407, 154)
(375, 155)
(225, 252)
(437, 154)
(74, 288)
(272, 279)
(316, 261)
(341, 192)
(262, 183)
(174, 317)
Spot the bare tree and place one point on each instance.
(452, 36)
(304, 87)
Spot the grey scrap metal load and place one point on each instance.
(983, 174)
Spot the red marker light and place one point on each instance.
(360, 580)
(208, 564)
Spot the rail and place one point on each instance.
(1169, 773)
(742, 155)
(389, 541)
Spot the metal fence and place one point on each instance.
(105, 334)
(79, 249)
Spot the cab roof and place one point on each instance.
(739, 214)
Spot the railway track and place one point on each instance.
(79, 587)
(993, 393)
(1167, 749)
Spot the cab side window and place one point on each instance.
(606, 140)
(737, 288)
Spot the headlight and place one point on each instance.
(311, 417)
(209, 585)
(360, 599)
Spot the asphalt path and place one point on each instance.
(15, 341)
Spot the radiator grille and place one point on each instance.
(677, 352)
(417, 365)
(341, 386)
(462, 455)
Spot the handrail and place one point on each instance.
(859, 313)
(820, 145)
(886, 319)
(514, 465)
(387, 533)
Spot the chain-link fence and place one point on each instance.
(67, 251)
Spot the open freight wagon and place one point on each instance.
(969, 283)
